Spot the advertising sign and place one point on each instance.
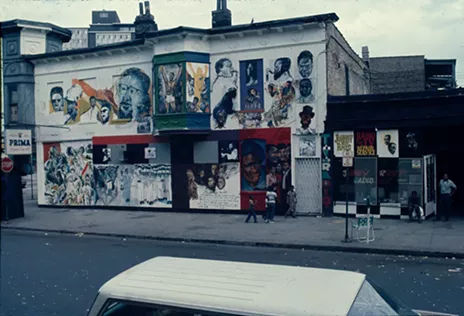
(343, 142)
(18, 142)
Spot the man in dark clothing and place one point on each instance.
(414, 206)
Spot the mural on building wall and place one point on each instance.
(214, 186)
(281, 93)
(304, 83)
(68, 173)
(128, 100)
(146, 185)
(306, 117)
(198, 84)
(307, 146)
(253, 164)
(387, 144)
(251, 86)
(170, 96)
(228, 151)
(225, 90)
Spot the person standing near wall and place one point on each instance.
(447, 189)
(291, 201)
(271, 198)
(251, 210)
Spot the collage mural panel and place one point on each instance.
(127, 101)
(146, 185)
(270, 92)
(68, 173)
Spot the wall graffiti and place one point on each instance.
(146, 185)
(68, 173)
(214, 186)
(327, 199)
(253, 164)
(198, 83)
(170, 94)
(128, 100)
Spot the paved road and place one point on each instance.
(46, 275)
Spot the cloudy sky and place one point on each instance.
(434, 28)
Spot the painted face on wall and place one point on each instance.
(278, 67)
(227, 68)
(392, 148)
(387, 139)
(306, 87)
(57, 102)
(221, 183)
(130, 95)
(273, 154)
(105, 114)
(211, 183)
(251, 169)
(93, 102)
(305, 67)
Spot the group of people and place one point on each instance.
(271, 201)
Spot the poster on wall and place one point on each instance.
(68, 173)
(343, 142)
(150, 152)
(228, 151)
(128, 100)
(198, 82)
(387, 144)
(214, 186)
(251, 86)
(307, 146)
(365, 143)
(143, 185)
(411, 144)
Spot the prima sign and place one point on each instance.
(18, 142)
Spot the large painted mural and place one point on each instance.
(68, 173)
(127, 101)
(263, 93)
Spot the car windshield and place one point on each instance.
(369, 302)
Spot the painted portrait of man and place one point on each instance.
(105, 114)
(281, 71)
(133, 93)
(73, 94)
(57, 99)
(306, 91)
(305, 63)
(253, 165)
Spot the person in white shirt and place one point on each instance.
(271, 199)
(91, 116)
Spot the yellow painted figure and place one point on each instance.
(199, 77)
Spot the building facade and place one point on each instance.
(106, 28)
(193, 119)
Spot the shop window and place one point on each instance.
(410, 179)
(340, 173)
(365, 180)
(388, 180)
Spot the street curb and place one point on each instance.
(415, 253)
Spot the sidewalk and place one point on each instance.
(392, 236)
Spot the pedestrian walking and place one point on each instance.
(271, 198)
(291, 201)
(447, 189)
(251, 209)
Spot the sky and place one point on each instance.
(434, 28)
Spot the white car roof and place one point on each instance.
(234, 287)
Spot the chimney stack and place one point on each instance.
(144, 22)
(222, 16)
(365, 55)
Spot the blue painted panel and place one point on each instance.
(251, 86)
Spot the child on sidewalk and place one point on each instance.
(251, 209)
(271, 198)
(291, 201)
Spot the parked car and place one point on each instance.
(190, 287)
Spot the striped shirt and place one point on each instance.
(271, 197)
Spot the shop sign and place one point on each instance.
(343, 142)
(18, 142)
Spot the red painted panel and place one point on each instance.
(46, 150)
(260, 200)
(128, 139)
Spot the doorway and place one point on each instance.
(451, 162)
